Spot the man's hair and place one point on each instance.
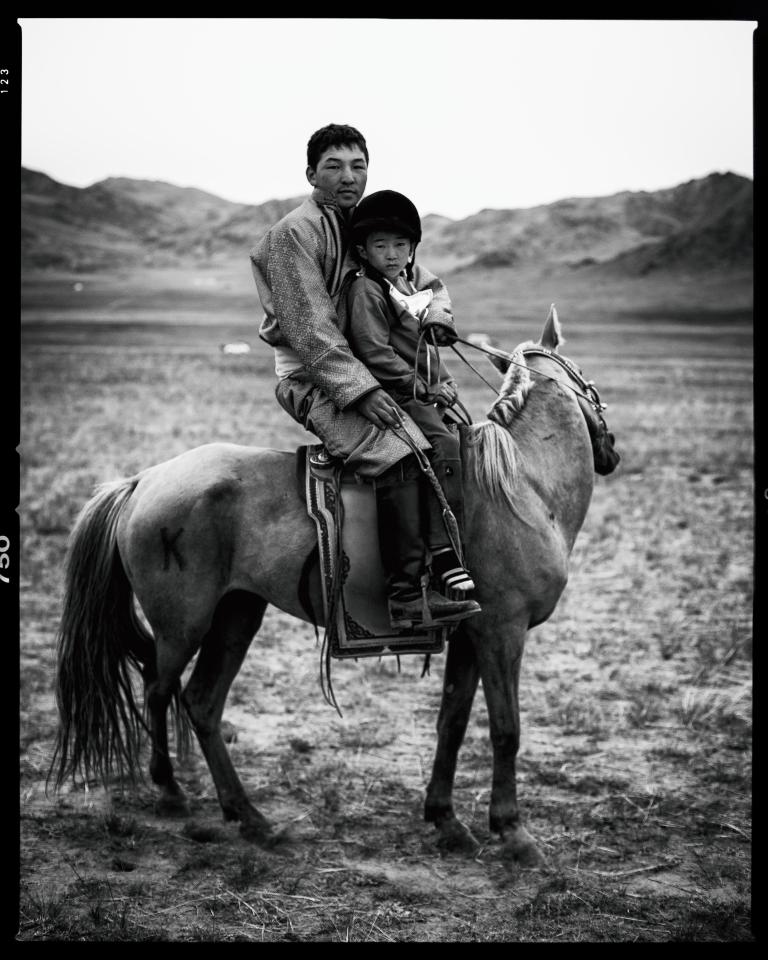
(334, 135)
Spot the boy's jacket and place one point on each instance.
(385, 336)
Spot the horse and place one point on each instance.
(203, 542)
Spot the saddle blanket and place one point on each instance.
(352, 576)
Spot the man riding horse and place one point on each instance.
(302, 268)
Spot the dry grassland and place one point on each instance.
(636, 695)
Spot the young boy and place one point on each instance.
(386, 312)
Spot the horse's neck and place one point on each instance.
(555, 453)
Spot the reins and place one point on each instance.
(590, 395)
(588, 390)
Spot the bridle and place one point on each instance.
(588, 387)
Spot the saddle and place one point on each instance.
(351, 573)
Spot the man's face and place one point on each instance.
(341, 172)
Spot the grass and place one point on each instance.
(636, 696)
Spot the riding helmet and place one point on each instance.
(385, 210)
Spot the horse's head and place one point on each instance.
(517, 382)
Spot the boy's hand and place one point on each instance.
(421, 391)
(446, 394)
(443, 334)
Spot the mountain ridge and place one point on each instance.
(122, 221)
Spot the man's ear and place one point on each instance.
(312, 176)
(361, 252)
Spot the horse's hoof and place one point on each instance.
(260, 832)
(454, 837)
(520, 848)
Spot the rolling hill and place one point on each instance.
(126, 222)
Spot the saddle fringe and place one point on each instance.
(326, 683)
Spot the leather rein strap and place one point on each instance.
(588, 389)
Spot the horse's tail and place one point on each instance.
(100, 640)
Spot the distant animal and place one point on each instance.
(205, 541)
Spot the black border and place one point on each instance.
(10, 119)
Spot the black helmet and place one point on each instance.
(385, 210)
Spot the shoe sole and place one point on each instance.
(437, 622)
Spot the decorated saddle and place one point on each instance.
(351, 573)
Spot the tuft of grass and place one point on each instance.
(713, 921)
(248, 871)
(202, 833)
(579, 716)
(707, 709)
(41, 912)
(117, 826)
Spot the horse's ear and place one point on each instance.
(552, 335)
(483, 340)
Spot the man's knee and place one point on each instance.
(296, 398)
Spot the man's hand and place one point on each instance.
(380, 409)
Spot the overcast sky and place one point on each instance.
(458, 114)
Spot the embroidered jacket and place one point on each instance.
(302, 271)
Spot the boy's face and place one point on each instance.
(341, 172)
(387, 251)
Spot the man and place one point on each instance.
(302, 268)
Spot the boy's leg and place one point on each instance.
(445, 460)
(398, 502)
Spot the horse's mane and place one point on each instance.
(493, 454)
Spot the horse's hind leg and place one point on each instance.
(161, 685)
(237, 618)
(459, 686)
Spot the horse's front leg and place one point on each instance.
(500, 657)
(459, 686)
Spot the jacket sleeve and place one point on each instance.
(440, 310)
(290, 266)
(369, 334)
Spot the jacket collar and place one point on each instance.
(328, 202)
(323, 199)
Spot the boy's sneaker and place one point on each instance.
(452, 578)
